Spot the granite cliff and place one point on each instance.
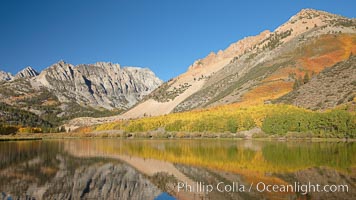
(63, 91)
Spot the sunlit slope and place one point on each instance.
(165, 98)
(230, 75)
(248, 83)
(303, 46)
(311, 59)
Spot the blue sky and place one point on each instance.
(163, 35)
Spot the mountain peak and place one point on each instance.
(108, 65)
(310, 19)
(313, 12)
(309, 11)
(28, 72)
(4, 76)
(62, 62)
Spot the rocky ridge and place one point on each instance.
(63, 91)
(28, 72)
(101, 84)
(4, 76)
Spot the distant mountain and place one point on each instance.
(4, 76)
(63, 91)
(101, 84)
(258, 69)
(28, 72)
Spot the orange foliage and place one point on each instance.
(334, 49)
(30, 130)
(313, 57)
(84, 129)
(267, 91)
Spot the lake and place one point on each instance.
(177, 169)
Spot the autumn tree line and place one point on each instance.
(272, 119)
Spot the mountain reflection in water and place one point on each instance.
(149, 169)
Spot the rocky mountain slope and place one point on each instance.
(257, 69)
(331, 87)
(63, 91)
(4, 76)
(104, 85)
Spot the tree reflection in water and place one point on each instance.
(143, 169)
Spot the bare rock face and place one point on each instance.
(4, 76)
(64, 91)
(28, 72)
(235, 49)
(99, 85)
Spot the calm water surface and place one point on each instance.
(176, 169)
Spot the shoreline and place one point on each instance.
(49, 136)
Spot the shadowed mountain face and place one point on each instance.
(63, 91)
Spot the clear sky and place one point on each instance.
(163, 35)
